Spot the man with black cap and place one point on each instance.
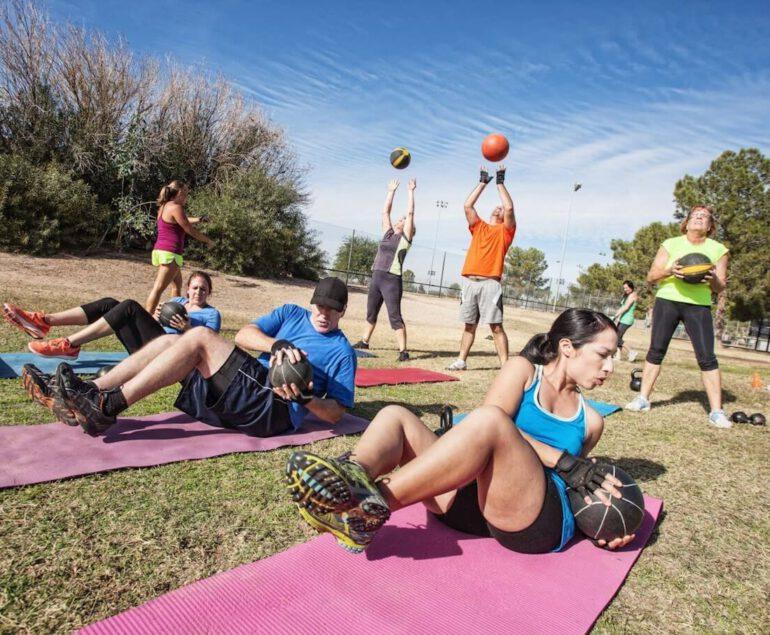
(223, 385)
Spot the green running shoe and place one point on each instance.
(336, 486)
(340, 526)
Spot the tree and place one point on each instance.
(356, 254)
(631, 261)
(736, 187)
(524, 269)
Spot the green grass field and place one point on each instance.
(76, 551)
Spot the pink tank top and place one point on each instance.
(170, 237)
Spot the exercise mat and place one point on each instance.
(53, 451)
(418, 576)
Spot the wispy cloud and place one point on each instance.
(625, 99)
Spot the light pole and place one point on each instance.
(575, 188)
(431, 272)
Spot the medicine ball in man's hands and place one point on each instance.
(622, 518)
(170, 309)
(287, 372)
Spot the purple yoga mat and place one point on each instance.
(418, 576)
(52, 451)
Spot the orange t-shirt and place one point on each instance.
(486, 255)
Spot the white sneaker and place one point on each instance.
(632, 355)
(639, 404)
(458, 364)
(718, 419)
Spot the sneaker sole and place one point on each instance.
(343, 540)
(60, 409)
(313, 481)
(57, 356)
(34, 391)
(20, 323)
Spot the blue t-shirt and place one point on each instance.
(207, 316)
(330, 354)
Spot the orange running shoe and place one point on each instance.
(59, 347)
(31, 322)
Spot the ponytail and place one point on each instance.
(169, 192)
(579, 326)
(539, 349)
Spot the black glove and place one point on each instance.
(500, 177)
(484, 177)
(581, 474)
(280, 345)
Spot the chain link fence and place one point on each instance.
(436, 271)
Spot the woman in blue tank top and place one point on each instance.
(502, 473)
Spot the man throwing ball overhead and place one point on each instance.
(224, 386)
(481, 300)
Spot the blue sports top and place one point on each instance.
(331, 355)
(559, 433)
(207, 316)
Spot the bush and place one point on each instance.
(257, 226)
(44, 209)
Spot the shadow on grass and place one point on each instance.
(642, 470)
(368, 409)
(696, 396)
(423, 354)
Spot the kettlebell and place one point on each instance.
(757, 419)
(446, 417)
(739, 417)
(103, 371)
(636, 380)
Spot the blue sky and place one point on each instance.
(625, 98)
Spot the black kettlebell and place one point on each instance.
(446, 417)
(758, 419)
(739, 417)
(103, 370)
(636, 380)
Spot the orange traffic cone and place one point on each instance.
(756, 381)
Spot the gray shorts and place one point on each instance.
(481, 301)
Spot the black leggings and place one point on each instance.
(133, 326)
(666, 315)
(622, 328)
(542, 536)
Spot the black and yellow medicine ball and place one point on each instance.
(400, 158)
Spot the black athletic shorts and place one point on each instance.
(238, 396)
(542, 536)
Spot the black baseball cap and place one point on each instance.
(331, 292)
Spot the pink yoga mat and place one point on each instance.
(52, 451)
(417, 577)
(366, 377)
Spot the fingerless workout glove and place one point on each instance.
(581, 474)
(484, 177)
(500, 177)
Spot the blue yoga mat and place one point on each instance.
(360, 353)
(602, 407)
(87, 363)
